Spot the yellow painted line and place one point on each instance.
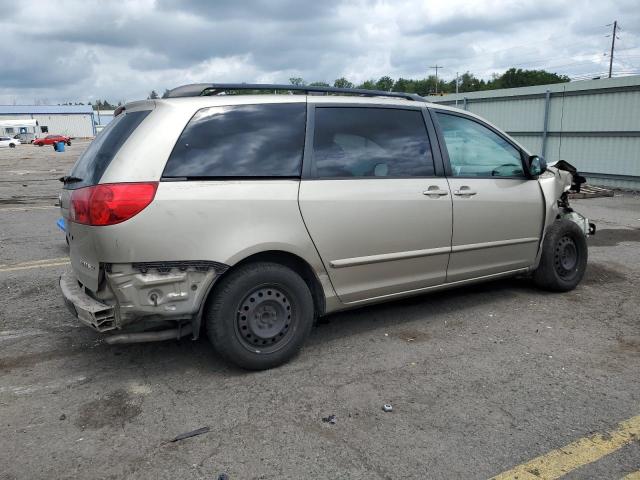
(586, 450)
(33, 265)
(632, 476)
(35, 262)
(22, 209)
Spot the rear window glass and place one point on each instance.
(95, 160)
(265, 140)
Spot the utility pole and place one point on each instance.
(457, 83)
(613, 43)
(436, 66)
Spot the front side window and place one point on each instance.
(476, 151)
(370, 142)
(265, 140)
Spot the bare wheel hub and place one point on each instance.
(264, 317)
(566, 257)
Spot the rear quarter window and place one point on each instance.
(96, 158)
(265, 140)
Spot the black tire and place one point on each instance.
(12, 145)
(564, 257)
(69, 143)
(41, 144)
(259, 315)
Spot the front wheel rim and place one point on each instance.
(265, 319)
(566, 258)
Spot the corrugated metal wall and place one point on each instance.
(75, 125)
(71, 124)
(593, 124)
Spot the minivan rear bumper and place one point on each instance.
(91, 312)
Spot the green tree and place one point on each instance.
(103, 105)
(153, 95)
(319, 84)
(517, 77)
(467, 82)
(342, 83)
(404, 85)
(297, 81)
(368, 85)
(166, 93)
(384, 83)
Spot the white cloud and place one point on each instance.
(99, 49)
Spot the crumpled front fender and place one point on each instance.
(560, 179)
(554, 183)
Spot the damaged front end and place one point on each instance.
(559, 180)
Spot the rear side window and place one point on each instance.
(95, 160)
(370, 142)
(265, 140)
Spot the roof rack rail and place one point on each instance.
(206, 89)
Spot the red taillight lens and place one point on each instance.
(110, 203)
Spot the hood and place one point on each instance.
(559, 178)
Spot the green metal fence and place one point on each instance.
(593, 124)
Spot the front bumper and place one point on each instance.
(587, 227)
(91, 312)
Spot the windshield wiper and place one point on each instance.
(69, 179)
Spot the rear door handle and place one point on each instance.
(464, 191)
(435, 191)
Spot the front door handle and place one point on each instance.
(464, 191)
(434, 191)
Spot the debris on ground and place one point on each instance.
(591, 191)
(387, 407)
(63, 417)
(330, 419)
(193, 433)
(223, 476)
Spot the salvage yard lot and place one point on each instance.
(482, 379)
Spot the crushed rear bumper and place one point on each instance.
(91, 312)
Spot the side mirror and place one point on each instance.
(536, 165)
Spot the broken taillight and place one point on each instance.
(110, 203)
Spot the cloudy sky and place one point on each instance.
(81, 50)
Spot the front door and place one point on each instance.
(497, 210)
(374, 207)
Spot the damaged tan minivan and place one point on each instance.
(248, 216)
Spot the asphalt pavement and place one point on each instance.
(496, 378)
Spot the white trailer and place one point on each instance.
(23, 129)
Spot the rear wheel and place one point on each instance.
(69, 143)
(564, 257)
(12, 145)
(259, 315)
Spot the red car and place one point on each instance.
(51, 140)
